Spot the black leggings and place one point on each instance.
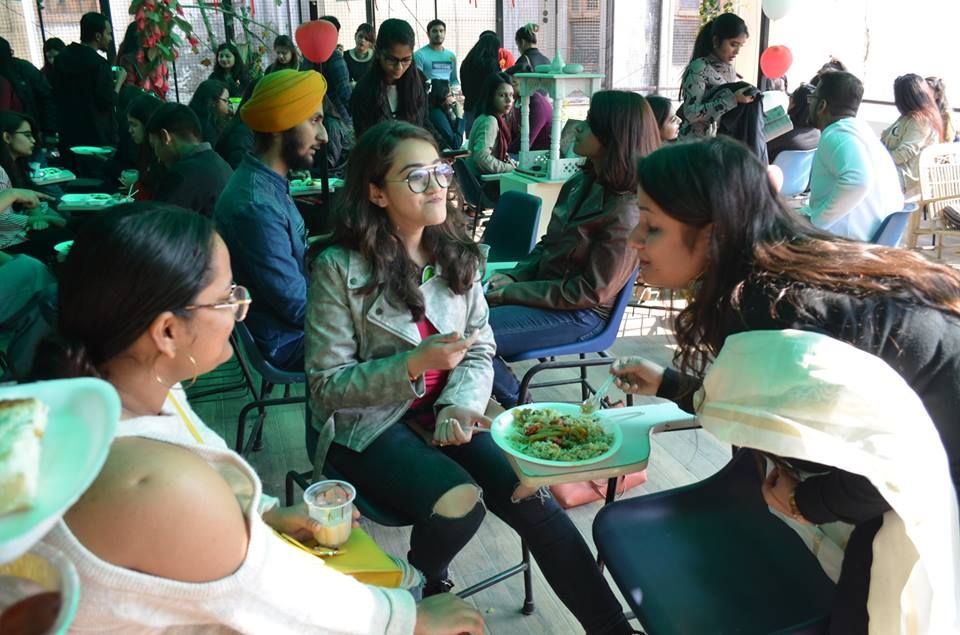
(400, 471)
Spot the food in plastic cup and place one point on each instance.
(129, 177)
(331, 504)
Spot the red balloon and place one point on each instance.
(776, 61)
(317, 40)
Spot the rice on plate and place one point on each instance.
(548, 434)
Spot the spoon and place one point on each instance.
(594, 401)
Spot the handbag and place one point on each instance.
(575, 494)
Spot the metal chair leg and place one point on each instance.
(266, 389)
(584, 386)
(528, 607)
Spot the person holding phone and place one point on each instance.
(397, 343)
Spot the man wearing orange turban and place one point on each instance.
(256, 215)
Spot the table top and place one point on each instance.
(90, 202)
(636, 422)
(51, 176)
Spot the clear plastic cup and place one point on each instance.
(331, 504)
(129, 177)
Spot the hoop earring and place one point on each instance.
(195, 371)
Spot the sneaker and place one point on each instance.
(436, 587)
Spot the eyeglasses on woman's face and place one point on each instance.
(238, 300)
(26, 133)
(418, 180)
(397, 61)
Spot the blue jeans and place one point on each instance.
(522, 328)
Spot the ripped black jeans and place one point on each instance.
(401, 472)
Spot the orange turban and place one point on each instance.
(283, 100)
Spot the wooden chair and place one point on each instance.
(939, 187)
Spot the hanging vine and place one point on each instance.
(709, 9)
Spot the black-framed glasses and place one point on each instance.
(239, 300)
(418, 180)
(397, 61)
(26, 133)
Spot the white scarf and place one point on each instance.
(808, 396)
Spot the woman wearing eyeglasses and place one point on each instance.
(211, 103)
(393, 88)
(39, 228)
(175, 531)
(399, 367)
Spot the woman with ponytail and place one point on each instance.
(711, 66)
(175, 531)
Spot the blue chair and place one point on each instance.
(596, 345)
(389, 517)
(796, 165)
(711, 558)
(894, 226)
(511, 231)
(270, 376)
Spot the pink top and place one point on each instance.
(433, 380)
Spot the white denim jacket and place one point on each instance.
(356, 369)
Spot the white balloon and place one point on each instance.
(776, 9)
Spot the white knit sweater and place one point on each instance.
(277, 589)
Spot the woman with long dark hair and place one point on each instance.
(711, 222)
(51, 48)
(919, 126)
(526, 39)
(211, 104)
(804, 136)
(446, 116)
(564, 290)
(36, 232)
(665, 113)
(175, 531)
(229, 68)
(490, 136)
(482, 61)
(705, 100)
(398, 364)
(149, 170)
(286, 55)
(127, 54)
(394, 88)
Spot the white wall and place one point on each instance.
(877, 39)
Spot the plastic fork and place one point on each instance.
(594, 402)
